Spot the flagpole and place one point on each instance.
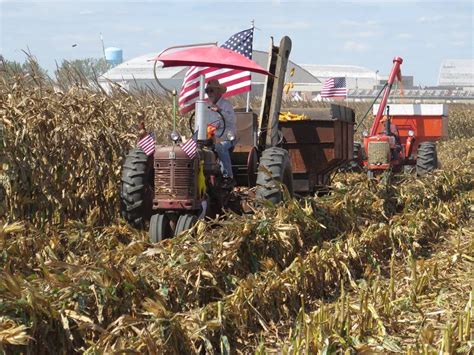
(347, 88)
(103, 47)
(247, 107)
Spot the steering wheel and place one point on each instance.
(221, 118)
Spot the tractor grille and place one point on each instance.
(379, 152)
(174, 178)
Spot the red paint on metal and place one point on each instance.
(396, 72)
(216, 57)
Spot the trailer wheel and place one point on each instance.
(409, 169)
(275, 168)
(185, 222)
(356, 164)
(137, 188)
(160, 228)
(427, 159)
(370, 175)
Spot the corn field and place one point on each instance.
(364, 268)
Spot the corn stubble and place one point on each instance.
(364, 268)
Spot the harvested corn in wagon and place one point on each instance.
(288, 116)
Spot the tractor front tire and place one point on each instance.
(427, 159)
(185, 222)
(160, 228)
(274, 170)
(136, 190)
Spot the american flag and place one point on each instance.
(334, 87)
(147, 144)
(190, 147)
(236, 81)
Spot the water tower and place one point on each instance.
(113, 55)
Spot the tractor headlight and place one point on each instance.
(175, 137)
(365, 134)
(230, 136)
(411, 133)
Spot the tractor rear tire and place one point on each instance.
(160, 228)
(136, 191)
(185, 222)
(427, 159)
(275, 168)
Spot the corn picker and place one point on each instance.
(405, 137)
(174, 191)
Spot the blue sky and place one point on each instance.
(364, 32)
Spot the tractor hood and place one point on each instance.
(216, 57)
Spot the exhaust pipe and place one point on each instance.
(202, 112)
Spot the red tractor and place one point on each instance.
(405, 137)
(173, 190)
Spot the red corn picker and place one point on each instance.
(405, 137)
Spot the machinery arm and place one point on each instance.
(272, 93)
(396, 72)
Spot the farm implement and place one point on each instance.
(173, 190)
(402, 136)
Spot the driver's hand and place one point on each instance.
(215, 108)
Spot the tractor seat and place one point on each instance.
(246, 126)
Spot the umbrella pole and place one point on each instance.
(174, 109)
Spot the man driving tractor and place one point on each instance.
(218, 104)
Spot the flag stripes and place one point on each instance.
(236, 81)
(334, 87)
(190, 148)
(147, 144)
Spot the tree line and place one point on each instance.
(82, 72)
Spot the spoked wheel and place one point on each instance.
(160, 228)
(185, 222)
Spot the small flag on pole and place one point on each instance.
(190, 147)
(147, 144)
(334, 87)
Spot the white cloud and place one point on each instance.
(359, 24)
(366, 34)
(128, 28)
(79, 39)
(460, 34)
(351, 29)
(290, 25)
(459, 43)
(430, 19)
(86, 12)
(404, 35)
(354, 35)
(355, 46)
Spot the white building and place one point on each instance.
(457, 73)
(456, 79)
(137, 73)
(356, 77)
